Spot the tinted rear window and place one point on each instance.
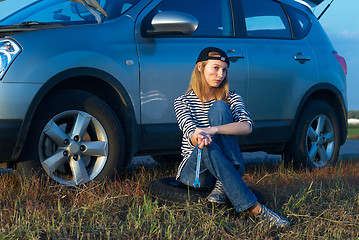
(301, 22)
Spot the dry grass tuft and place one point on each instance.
(322, 204)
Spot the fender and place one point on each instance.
(57, 81)
(318, 90)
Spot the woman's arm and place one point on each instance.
(202, 136)
(235, 128)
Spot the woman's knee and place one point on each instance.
(213, 154)
(220, 113)
(220, 105)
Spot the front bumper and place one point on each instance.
(9, 133)
(15, 99)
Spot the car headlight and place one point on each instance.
(9, 50)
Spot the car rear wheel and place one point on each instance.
(74, 138)
(315, 142)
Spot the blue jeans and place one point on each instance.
(221, 160)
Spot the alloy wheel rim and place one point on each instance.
(73, 147)
(320, 140)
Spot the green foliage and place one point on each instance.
(353, 131)
(353, 114)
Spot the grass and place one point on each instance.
(353, 131)
(322, 204)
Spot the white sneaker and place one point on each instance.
(272, 217)
(218, 195)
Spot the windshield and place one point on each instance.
(66, 12)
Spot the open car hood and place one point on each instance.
(310, 3)
(93, 4)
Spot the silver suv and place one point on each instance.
(85, 87)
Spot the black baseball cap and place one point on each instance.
(203, 56)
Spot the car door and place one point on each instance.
(281, 69)
(167, 61)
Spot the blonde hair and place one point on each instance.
(198, 83)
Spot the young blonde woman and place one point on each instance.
(210, 116)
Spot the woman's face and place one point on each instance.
(214, 72)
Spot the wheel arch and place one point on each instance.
(94, 81)
(331, 95)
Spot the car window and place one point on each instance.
(301, 22)
(214, 17)
(266, 21)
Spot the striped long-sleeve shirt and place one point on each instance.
(191, 114)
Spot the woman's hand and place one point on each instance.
(202, 137)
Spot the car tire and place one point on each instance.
(315, 141)
(164, 159)
(74, 138)
(170, 190)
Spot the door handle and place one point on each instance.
(238, 55)
(233, 55)
(301, 57)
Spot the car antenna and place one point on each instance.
(326, 8)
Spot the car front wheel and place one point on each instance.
(74, 138)
(315, 142)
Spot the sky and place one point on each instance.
(341, 23)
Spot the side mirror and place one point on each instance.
(171, 23)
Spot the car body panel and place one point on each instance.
(105, 52)
(324, 50)
(163, 81)
(9, 132)
(15, 99)
(272, 68)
